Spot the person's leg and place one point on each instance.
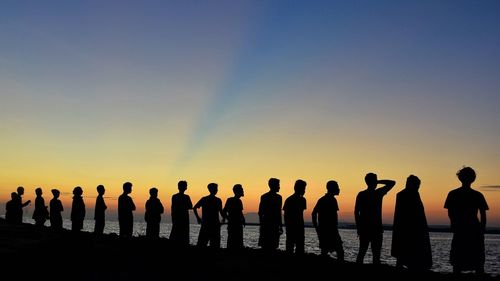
(363, 247)
(376, 247)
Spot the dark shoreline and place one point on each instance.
(29, 253)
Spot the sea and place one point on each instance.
(440, 243)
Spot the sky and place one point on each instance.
(153, 92)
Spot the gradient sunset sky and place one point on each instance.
(153, 92)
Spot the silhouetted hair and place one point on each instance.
(100, 188)
(55, 192)
(182, 184)
(153, 191)
(77, 191)
(212, 187)
(273, 182)
(332, 186)
(466, 175)
(299, 186)
(20, 189)
(237, 188)
(412, 181)
(127, 186)
(38, 190)
(370, 177)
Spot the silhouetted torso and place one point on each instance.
(12, 213)
(210, 225)
(56, 208)
(410, 235)
(77, 213)
(99, 214)
(126, 207)
(467, 247)
(181, 204)
(234, 212)
(40, 213)
(370, 211)
(152, 216)
(270, 220)
(294, 222)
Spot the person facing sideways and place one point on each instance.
(410, 234)
(210, 224)
(325, 221)
(12, 208)
(181, 204)
(464, 204)
(41, 213)
(56, 208)
(271, 225)
(77, 210)
(21, 205)
(125, 208)
(368, 216)
(100, 210)
(233, 211)
(293, 209)
(152, 216)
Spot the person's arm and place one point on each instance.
(132, 205)
(315, 216)
(482, 213)
(281, 219)
(195, 210)
(388, 185)
(357, 214)
(221, 212)
(26, 203)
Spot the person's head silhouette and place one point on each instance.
(56, 193)
(466, 175)
(300, 187)
(274, 184)
(212, 188)
(100, 189)
(153, 192)
(238, 190)
(38, 191)
(77, 191)
(332, 187)
(182, 186)
(20, 191)
(371, 181)
(413, 183)
(127, 187)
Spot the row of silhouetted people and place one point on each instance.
(410, 239)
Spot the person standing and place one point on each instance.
(19, 214)
(181, 204)
(410, 233)
(464, 204)
(152, 216)
(100, 211)
(233, 211)
(325, 221)
(368, 216)
(126, 207)
(293, 209)
(56, 208)
(40, 214)
(210, 223)
(77, 210)
(271, 224)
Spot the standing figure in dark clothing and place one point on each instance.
(125, 208)
(100, 211)
(77, 210)
(210, 223)
(152, 216)
(12, 208)
(233, 211)
(464, 204)
(294, 218)
(56, 208)
(271, 225)
(21, 205)
(40, 214)
(181, 204)
(410, 234)
(368, 216)
(325, 221)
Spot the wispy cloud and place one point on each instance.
(491, 187)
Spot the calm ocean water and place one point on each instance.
(440, 241)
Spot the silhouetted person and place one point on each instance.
(19, 214)
(368, 216)
(100, 210)
(233, 211)
(40, 214)
(152, 216)
(210, 224)
(12, 209)
(464, 204)
(410, 234)
(125, 208)
(56, 207)
(325, 221)
(293, 209)
(181, 204)
(77, 210)
(271, 226)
